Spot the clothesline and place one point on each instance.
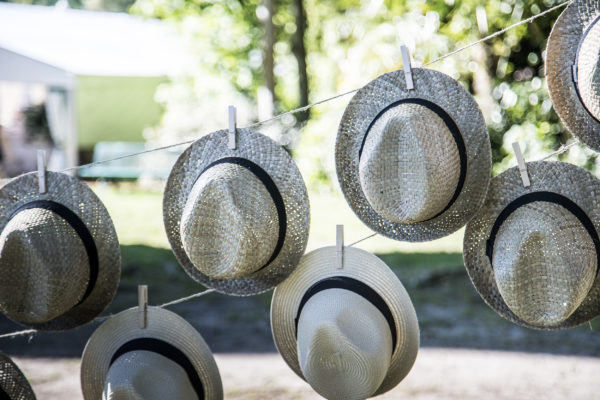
(307, 107)
(561, 150)
(105, 317)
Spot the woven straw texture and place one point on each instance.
(560, 57)
(272, 158)
(134, 376)
(461, 107)
(410, 164)
(44, 268)
(162, 324)
(228, 195)
(344, 345)
(12, 380)
(360, 265)
(545, 261)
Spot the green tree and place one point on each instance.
(346, 43)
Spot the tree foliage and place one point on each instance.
(350, 42)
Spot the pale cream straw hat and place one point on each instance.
(413, 164)
(573, 70)
(166, 360)
(237, 220)
(533, 253)
(351, 333)
(13, 384)
(60, 261)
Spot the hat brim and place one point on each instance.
(448, 94)
(161, 324)
(567, 180)
(561, 52)
(81, 200)
(13, 382)
(272, 158)
(360, 265)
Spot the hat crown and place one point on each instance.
(344, 345)
(410, 166)
(544, 263)
(146, 375)
(588, 70)
(44, 267)
(229, 226)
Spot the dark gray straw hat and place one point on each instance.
(413, 164)
(237, 219)
(60, 261)
(533, 252)
(572, 70)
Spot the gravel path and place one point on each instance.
(440, 374)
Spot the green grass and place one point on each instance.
(136, 212)
(329, 209)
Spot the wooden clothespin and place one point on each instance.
(339, 246)
(521, 164)
(232, 143)
(143, 305)
(407, 67)
(41, 164)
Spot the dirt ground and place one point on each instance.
(440, 374)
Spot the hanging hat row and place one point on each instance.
(413, 159)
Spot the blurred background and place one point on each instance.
(91, 80)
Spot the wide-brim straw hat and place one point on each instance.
(543, 241)
(13, 384)
(246, 207)
(447, 141)
(60, 261)
(120, 345)
(362, 274)
(572, 58)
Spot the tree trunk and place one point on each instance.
(299, 51)
(482, 81)
(269, 61)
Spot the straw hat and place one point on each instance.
(237, 220)
(166, 360)
(572, 70)
(413, 164)
(351, 333)
(13, 384)
(533, 253)
(60, 260)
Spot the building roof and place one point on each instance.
(87, 42)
